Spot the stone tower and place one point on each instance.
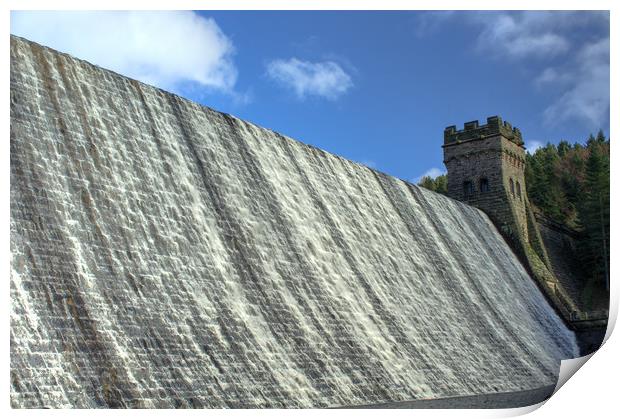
(486, 169)
(486, 165)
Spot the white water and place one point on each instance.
(164, 254)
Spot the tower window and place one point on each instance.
(512, 187)
(484, 185)
(518, 190)
(468, 188)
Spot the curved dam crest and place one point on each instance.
(167, 255)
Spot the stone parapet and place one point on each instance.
(473, 131)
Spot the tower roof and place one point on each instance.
(473, 131)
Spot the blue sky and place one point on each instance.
(375, 87)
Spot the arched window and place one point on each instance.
(484, 185)
(512, 187)
(468, 188)
(518, 190)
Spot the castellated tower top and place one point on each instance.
(473, 131)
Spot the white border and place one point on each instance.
(590, 394)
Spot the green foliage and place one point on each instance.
(439, 184)
(594, 209)
(544, 183)
(570, 184)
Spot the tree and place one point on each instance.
(427, 182)
(594, 210)
(563, 148)
(543, 181)
(570, 184)
(572, 178)
(439, 184)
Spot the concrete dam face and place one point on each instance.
(167, 255)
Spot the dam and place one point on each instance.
(167, 255)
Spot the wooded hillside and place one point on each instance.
(570, 184)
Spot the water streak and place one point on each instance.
(166, 255)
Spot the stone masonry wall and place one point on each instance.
(513, 168)
(167, 255)
(498, 160)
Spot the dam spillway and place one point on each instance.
(164, 254)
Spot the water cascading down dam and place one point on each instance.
(164, 254)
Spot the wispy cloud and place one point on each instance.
(163, 48)
(432, 172)
(580, 68)
(519, 35)
(587, 95)
(551, 44)
(324, 79)
(550, 76)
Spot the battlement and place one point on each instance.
(473, 131)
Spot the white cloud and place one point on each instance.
(532, 145)
(587, 96)
(163, 48)
(580, 67)
(550, 76)
(325, 79)
(573, 64)
(432, 172)
(525, 34)
(516, 35)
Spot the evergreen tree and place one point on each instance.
(543, 182)
(563, 148)
(534, 179)
(572, 173)
(594, 211)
